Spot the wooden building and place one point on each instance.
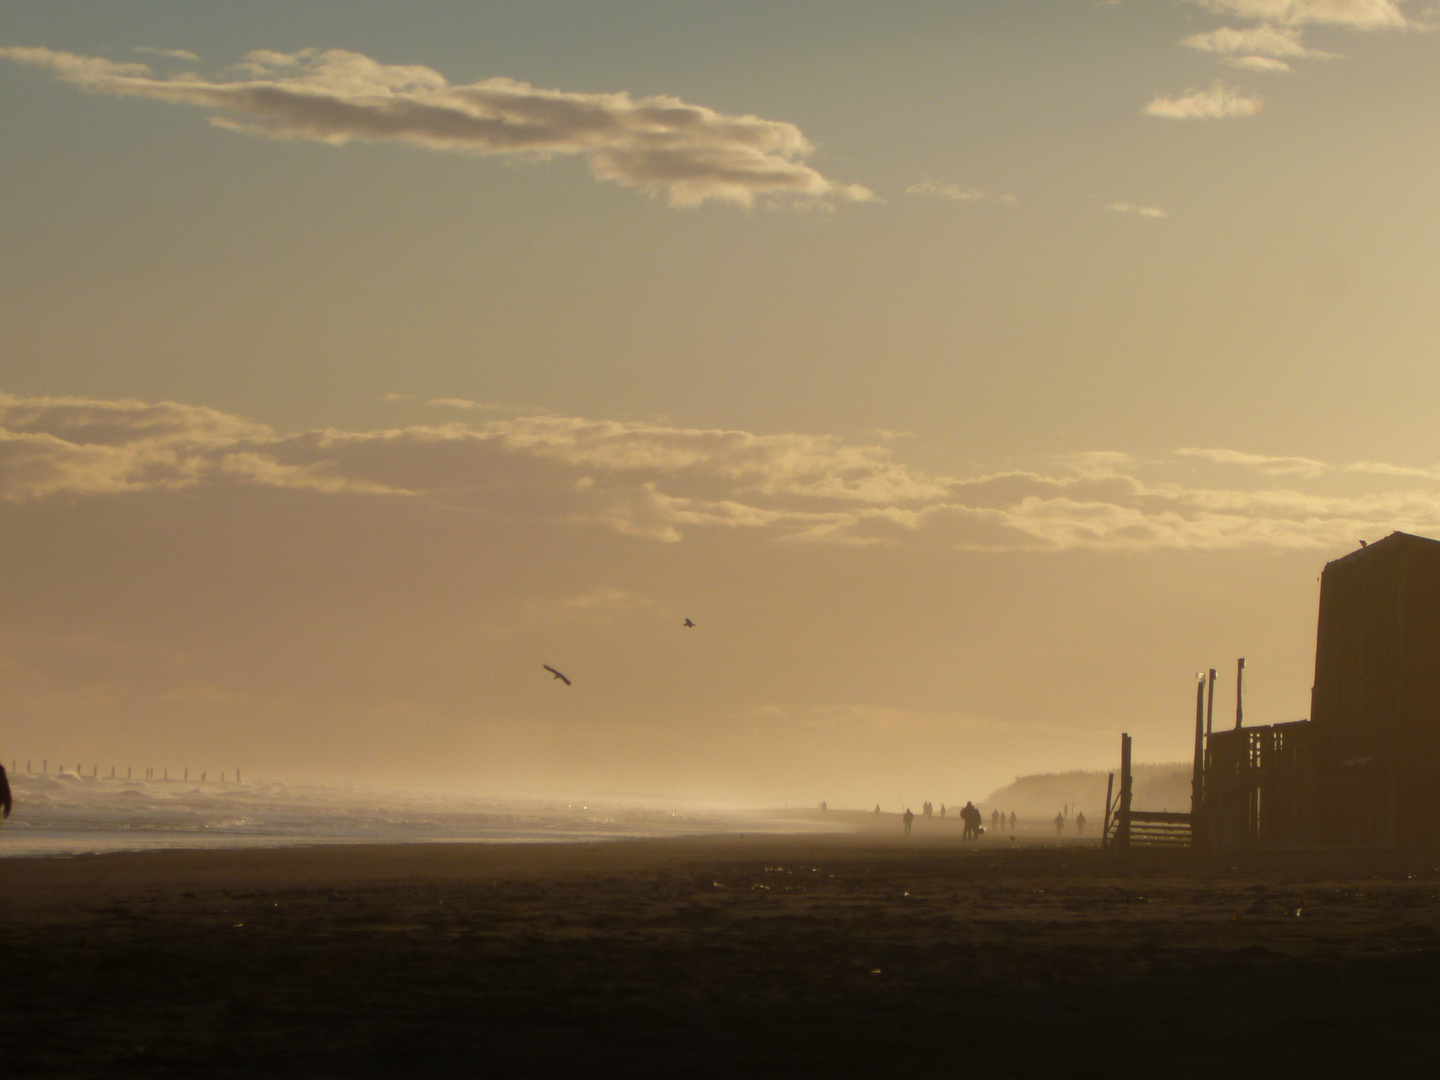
(1364, 771)
(1375, 706)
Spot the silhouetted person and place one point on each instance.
(1080, 823)
(5, 802)
(929, 808)
(1012, 820)
(995, 820)
(909, 820)
(877, 809)
(1059, 823)
(971, 817)
(823, 808)
(942, 811)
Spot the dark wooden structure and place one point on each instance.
(1125, 827)
(1364, 771)
(1258, 784)
(1375, 706)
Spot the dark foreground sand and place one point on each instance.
(850, 956)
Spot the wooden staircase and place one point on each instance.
(1125, 828)
(1149, 828)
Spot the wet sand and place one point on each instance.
(840, 955)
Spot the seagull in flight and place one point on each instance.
(688, 623)
(557, 674)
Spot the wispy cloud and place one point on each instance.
(1254, 41)
(655, 144)
(464, 404)
(1215, 103)
(1139, 211)
(173, 54)
(1258, 63)
(937, 189)
(1380, 468)
(1356, 14)
(659, 483)
(1270, 466)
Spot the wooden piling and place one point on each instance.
(1197, 769)
(1122, 832)
(1210, 703)
(1239, 693)
(1105, 825)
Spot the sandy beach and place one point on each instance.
(848, 955)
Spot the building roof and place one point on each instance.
(1394, 542)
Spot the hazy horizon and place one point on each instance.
(971, 374)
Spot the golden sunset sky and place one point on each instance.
(971, 373)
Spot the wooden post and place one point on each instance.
(1210, 704)
(1197, 771)
(1239, 693)
(1122, 833)
(1105, 825)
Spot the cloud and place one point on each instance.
(662, 483)
(173, 54)
(937, 189)
(1212, 104)
(1356, 14)
(655, 144)
(1380, 468)
(1141, 211)
(1258, 63)
(464, 404)
(1255, 41)
(1270, 466)
(77, 446)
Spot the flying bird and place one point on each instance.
(557, 674)
(688, 623)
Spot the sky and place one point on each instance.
(972, 374)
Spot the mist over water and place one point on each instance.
(67, 814)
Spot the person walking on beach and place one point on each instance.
(1059, 824)
(995, 820)
(1080, 823)
(909, 820)
(971, 817)
(1013, 819)
(5, 802)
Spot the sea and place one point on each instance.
(69, 814)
